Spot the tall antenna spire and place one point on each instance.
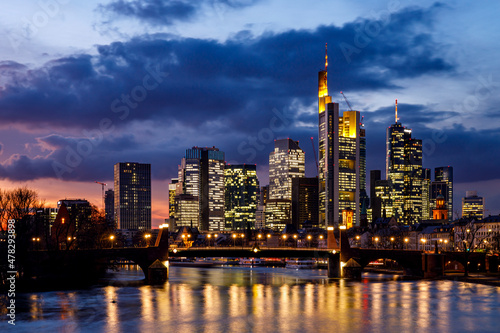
(326, 57)
(397, 111)
(326, 66)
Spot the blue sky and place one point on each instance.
(84, 85)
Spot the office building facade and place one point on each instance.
(241, 199)
(132, 187)
(404, 170)
(473, 206)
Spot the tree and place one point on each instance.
(466, 235)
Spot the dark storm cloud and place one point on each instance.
(219, 89)
(167, 12)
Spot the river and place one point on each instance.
(240, 299)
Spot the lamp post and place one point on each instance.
(376, 242)
(147, 236)
(234, 239)
(284, 240)
(392, 242)
(111, 238)
(358, 240)
(209, 236)
(267, 240)
(423, 242)
(406, 242)
(259, 236)
(295, 239)
(309, 240)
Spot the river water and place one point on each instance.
(240, 299)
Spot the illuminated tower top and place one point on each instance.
(323, 85)
(397, 111)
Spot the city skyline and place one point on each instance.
(236, 75)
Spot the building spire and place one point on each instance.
(326, 66)
(397, 111)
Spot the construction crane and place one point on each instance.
(314, 150)
(348, 104)
(102, 184)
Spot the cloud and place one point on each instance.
(168, 12)
(238, 95)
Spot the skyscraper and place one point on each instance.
(133, 195)
(342, 158)
(473, 206)
(109, 205)
(287, 161)
(426, 187)
(445, 174)
(201, 179)
(241, 188)
(404, 170)
(304, 201)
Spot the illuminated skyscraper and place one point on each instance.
(426, 200)
(240, 196)
(472, 206)
(404, 170)
(133, 195)
(201, 176)
(287, 161)
(445, 174)
(342, 158)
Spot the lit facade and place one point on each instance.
(383, 193)
(426, 184)
(132, 186)
(472, 206)
(201, 175)
(445, 174)
(404, 170)
(342, 159)
(241, 188)
(278, 213)
(286, 161)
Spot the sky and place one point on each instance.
(87, 84)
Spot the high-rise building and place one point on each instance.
(342, 159)
(445, 174)
(286, 162)
(305, 201)
(241, 188)
(375, 201)
(426, 187)
(201, 176)
(473, 206)
(133, 195)
(404, 170)
(172, 192)
(383, 193)
(109, 205)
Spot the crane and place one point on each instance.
(102, 184)
(348, 104)
(314, 150)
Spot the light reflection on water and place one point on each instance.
(263, 300)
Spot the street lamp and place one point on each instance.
(209, 236)
(423, 240)
(147, 236)
(259, 236)
(406, 242)
(376, 242)
(267, 240)
(392, 242)
(309, 239)
(284, 240)
(234, 239)
(111, 238)
(295, 239)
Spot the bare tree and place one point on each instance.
(466, 235)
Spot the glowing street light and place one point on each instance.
(111, 238)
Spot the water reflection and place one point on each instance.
(266, 300)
